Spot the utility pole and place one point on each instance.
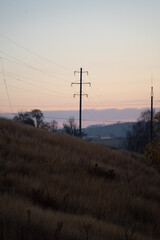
(152, 95)
(80, 98)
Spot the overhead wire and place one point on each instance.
(35, 80)
(44, 72)
(98, 96)
(89, 113)
(20, 80)
(124, 104)
(34, 53)
(19, 62)
(93, 100)
(26, 90)
(46, 106)
(5, 83)
(101, 120)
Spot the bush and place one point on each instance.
(152, 153)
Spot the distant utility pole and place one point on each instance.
(152, 95)
(80, 99)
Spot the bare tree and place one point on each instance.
(70, 127)
(53, 126)
(24, 118)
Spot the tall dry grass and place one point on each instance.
(54, 186)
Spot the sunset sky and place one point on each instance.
(42, 43)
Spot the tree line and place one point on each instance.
(138, 139)
(140, 134)
(35, 118)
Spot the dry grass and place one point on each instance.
(55, 186)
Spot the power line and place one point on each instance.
(90, 113)
(33, 91)
(103, 104)
(100, 99)
(47, 106)
(50, 106)
(88, 105)
(6, 86)
(19, 62)
(20, 80)
(34, 53)
(94, 89)
(32, 79)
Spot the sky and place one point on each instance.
(42, 43)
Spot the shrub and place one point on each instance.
(152, 153)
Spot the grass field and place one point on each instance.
(113, 143)
(55, 186)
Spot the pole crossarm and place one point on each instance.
(82, 83)
(80, 72)
(77, 94)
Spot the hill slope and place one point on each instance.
(117, 130)
(56, 186)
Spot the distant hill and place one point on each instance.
(117, 130)
(91, 116)
(55, 186)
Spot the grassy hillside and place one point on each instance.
(55, 186)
